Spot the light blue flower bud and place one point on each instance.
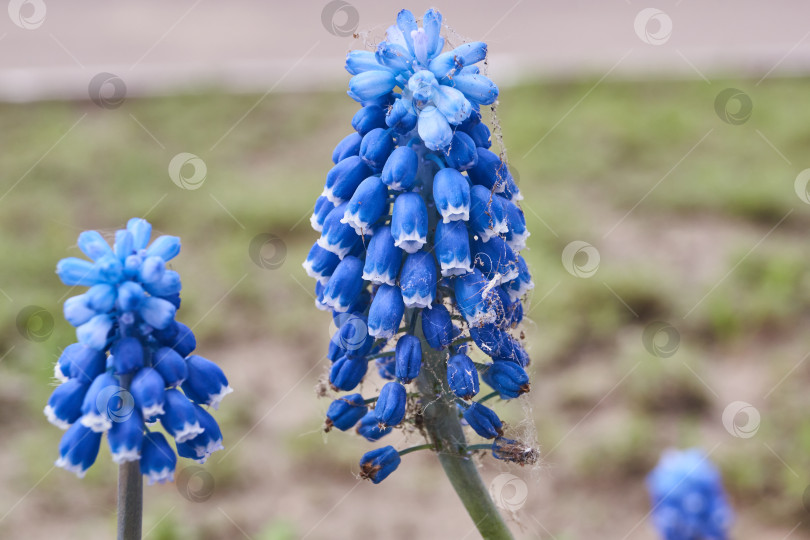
(169, 284)
(94, 332)
(76, 310)
(451, 194)
(141, 231)
(470, 53)
(432, 23)
(124, 245)
(452, 104)
(152, 269)
(476, 88)
(371, 84)
(361, 61)
(93, 245)
(434, 129)
(157, 313)
(101, 297)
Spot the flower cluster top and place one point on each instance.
(133, 363)
(687, 496)
(419, 217)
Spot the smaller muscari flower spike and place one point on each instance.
(687, 497)
(419, 219)
(122, 375)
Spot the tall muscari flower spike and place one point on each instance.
(687, 496)
(132, 366)
(420, 220)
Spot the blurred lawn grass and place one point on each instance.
(596, 161)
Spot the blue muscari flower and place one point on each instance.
(147, 389)
(437, 326)
(348, 146)
(408, 358)
(417, 280)
(130, 355)
(495, 258)
(509, 379)
(377, 145)
(126, 439)
(65, 404)
(377, 464)
(368, 118)
(345, 284)
(320, 263)
(487, 219)
(205, 383)
(404, 234)
(369, 427)
(409, 222)
(78, 449)
(346, 373)
(322, 208)
(483, 420)
(687, 496)
(462, 376)
(461, 154)
(390, 407)
(158, 460)
(344, 412)
(451, 194)
(343, 179)
(386, 311)
(206, 443)
(180, 419)
(452, 243)
(383, 258)
(367, 205)
(399, 172)
(336, 235)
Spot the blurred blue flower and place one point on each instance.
(687, 496)
(130, 357)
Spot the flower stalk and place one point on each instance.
(443, 429)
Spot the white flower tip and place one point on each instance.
(76, 469)
(162, 476)
(188, 432)
(96, 422)
(126, 455)
(50, 414)
(418, 301)
(57, 373)
(153, 410)
(215, 399)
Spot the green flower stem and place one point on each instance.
(488, 396)
(427, 446)
(444, 432)
(130, 494)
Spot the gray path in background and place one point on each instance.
(157, 47)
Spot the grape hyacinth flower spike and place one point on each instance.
(131, 371)
(420, 232)
(687, 497)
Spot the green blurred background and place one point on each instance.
(695, 219)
